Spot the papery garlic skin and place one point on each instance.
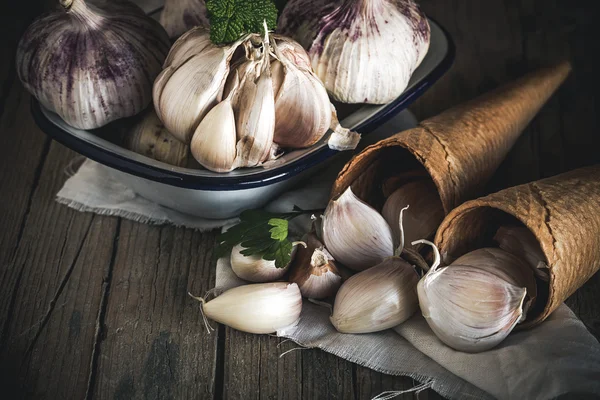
(355, 233)
(473, 304)
(150, 138)
(257, 308)
(254, 268)
(92, 62)
(293, 51)
(302, 107)
(179, 16)
(376, 299)
(188, 89)
(364, 51)
(424, 216)
(314, 270)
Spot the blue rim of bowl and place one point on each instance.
(225, 183)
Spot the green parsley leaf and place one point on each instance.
(279, 230)
(231, 19)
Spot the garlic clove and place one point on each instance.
(293, 51)
(92, 63)
(376, 299)
(363, 51)
(254, 269)
(150, 138)
(255, 120)
(473, 304)
(355, 233)
(178, 16)
(523, 244)
(314, 270)
(302, 106)
(424, 216)
(257, 308)
(157, 89)
(192, 42)
(214, 141)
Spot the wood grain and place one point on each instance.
(155, 344)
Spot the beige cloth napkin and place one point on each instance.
(560, 356)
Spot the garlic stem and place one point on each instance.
(401, 239)
(436, 254)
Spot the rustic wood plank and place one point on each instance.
(58, 268)
(325, 376)
(155, 344)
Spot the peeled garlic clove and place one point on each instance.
(214, 141)
(424, 216)
(150, 138)
(523, 244)
(355, 233)
(255, 120)
(254, 268)
(302, 107)
(179, 16)
(314, 270)
(192, 89)
(257, 308)
(376, 299)
(92, 63)
(473, 304)
(363, 51)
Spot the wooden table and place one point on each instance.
(97, 307)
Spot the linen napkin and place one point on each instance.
(558, 357)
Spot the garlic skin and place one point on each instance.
(187, 89)
(293, 51)
(355, 233)
(376, 299)
(257, 308)
(364, 51)
(424, 216)
(302, 106)
(474, 303)
(150, 138)
(214, 141)
(254, 268)
(523, 244)
(314, 270)
(179, 16)
(92, 62)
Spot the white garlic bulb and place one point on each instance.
(254, 268)
(257, 308)
(376, 299)
(92, 62)
(364, 51)
(474, 303)
(425, 214)
(150, 138)
(187, 89)
(302, 106)
(179, 16)
(314, 270)
(355, 233)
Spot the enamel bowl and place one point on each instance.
(212, 195)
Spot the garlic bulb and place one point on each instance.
(92, 62)
(364, 51)
(150, 138)
(302, 106)
(355, 233)
(314, 270)
(213, 143)
(523, 244)
(254, 268)
(187, 89)
(179, 16)
(376, 299)
(424, 216)
(473, 304)
(257, 308)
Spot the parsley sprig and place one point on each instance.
(262, 233)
